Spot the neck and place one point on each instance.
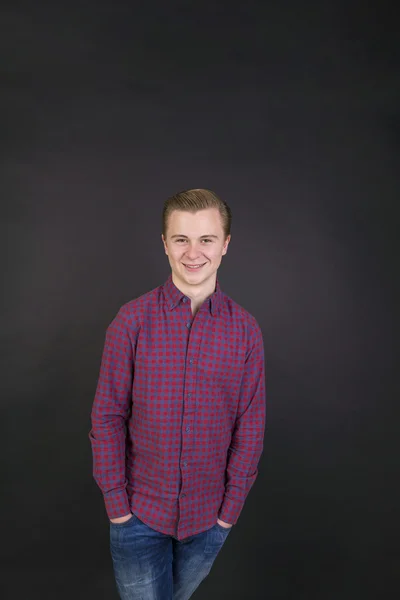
(197, 294)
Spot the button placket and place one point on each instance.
(190, 404)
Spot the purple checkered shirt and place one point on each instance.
(178, 417)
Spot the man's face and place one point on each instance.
(195, 239)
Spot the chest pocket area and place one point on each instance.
(220, 365)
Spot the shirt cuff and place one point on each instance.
(117, 504)
(230, 511)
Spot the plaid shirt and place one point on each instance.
(178, 416)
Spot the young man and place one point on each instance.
(179, 413)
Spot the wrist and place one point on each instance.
(121, 519)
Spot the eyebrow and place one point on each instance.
(202, 236)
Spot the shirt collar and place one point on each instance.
(174, 296)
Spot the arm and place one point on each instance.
(248, 436)
(110, 411)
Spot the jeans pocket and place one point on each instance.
(124, 523)
(216, 537)
(224, 529)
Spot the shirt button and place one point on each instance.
(183, 495)
(187, 428)
(185, 464)
(189, 394)
(191, 361)
(185, 299)
(188, 325)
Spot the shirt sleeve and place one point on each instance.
(248, 436)
(110, 411)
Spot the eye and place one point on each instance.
(183, 240)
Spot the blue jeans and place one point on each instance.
(149, 565)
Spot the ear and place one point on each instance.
(225, 248)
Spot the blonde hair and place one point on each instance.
(194, 200)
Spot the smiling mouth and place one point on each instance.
(193, 267)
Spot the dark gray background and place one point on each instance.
(290, 112)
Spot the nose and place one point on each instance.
(193, 252)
